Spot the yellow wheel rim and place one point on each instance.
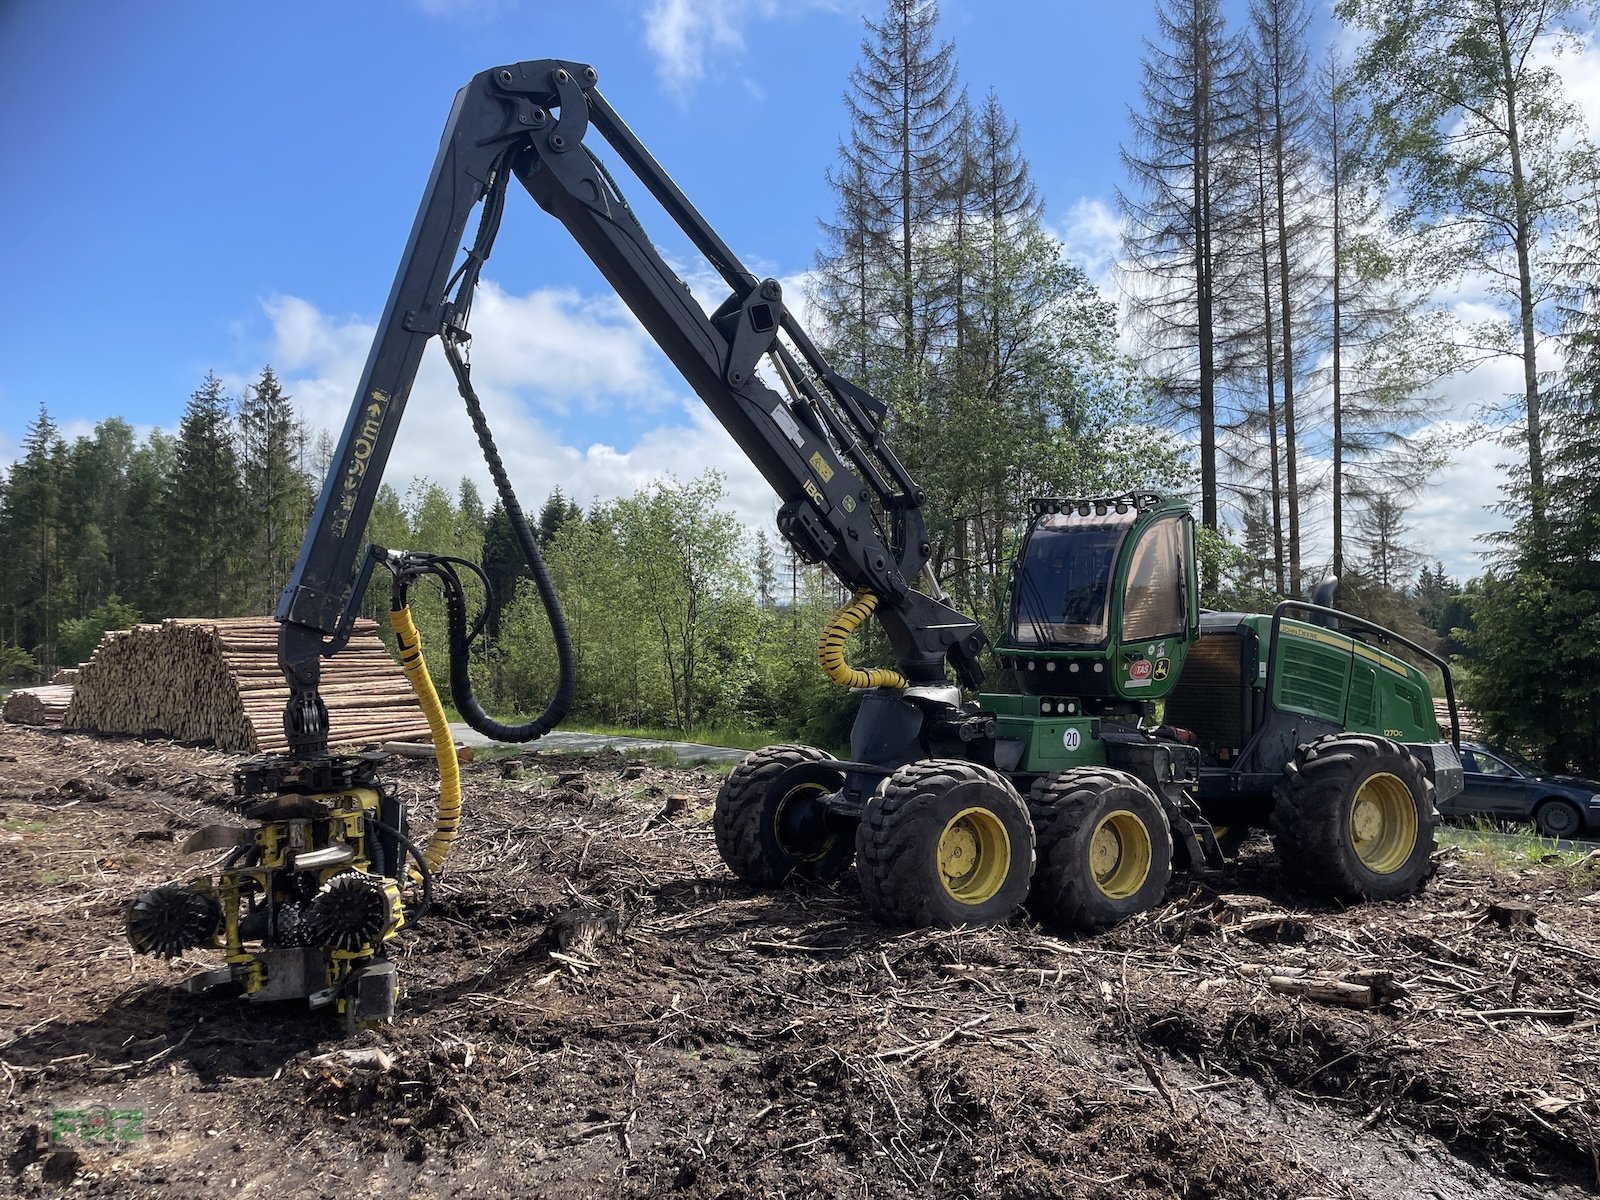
(784, 822)
(974, 855)
(1120, 854)
(1383, 823)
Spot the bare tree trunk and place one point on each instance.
(1524, 237)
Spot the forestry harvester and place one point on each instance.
(956, 805)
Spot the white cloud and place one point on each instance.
(537, 356)
(685, 34)
(1450, 516)
(1091, 236)
(681, 32)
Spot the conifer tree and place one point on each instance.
(277, 495)
(1182, 204)
(205, 545)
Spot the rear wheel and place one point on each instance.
(1354, 818)
(1558, 818)
(770, 822)
(1105, 848)
(947, 842)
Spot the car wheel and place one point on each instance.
(1558, 819)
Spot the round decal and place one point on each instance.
(1140, 669)
(1071, 738)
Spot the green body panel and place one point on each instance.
(1054, 742)
(1328, 674)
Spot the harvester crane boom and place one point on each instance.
(847, 501)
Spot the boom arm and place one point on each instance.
(846, 500)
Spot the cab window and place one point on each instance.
(1152, 604)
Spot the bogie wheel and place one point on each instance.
(946, 842)
(1354, 818)
(766, 833)
(1105, 848)
(1557, 818)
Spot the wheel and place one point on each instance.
(946, 842)
(1354, 818)
(765, 834)
(1105, 848)
(1557, 818)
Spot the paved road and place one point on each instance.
(585, 743)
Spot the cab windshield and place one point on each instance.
(1063, 593)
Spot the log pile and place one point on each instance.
(1471, 729)
(45, 705)
(217, 681)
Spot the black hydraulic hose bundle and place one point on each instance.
(454, 336)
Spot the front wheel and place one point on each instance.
(1105, 848)
(771, 823)
(1354, 818)
(947, 842)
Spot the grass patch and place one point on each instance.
(18, 825)
(1508, 851)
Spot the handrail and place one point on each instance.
(1385, 636)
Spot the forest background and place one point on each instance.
(1294, 216)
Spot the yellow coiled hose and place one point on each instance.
(830, 647)
(444, 746)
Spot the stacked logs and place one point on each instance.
(45, 705)
(1471, 726)
(217, 681)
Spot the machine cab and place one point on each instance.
(1104, 597)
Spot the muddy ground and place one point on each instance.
(727, 1043)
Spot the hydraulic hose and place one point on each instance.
(454, 341)
(444, 746)
(830, 647)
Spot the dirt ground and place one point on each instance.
(725, 1043)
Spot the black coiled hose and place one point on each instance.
(454, 337)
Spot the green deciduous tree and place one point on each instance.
(1468, 117)
(686, 556)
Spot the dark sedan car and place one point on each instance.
(1504, 787)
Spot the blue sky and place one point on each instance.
(178, 168)
(218, 186)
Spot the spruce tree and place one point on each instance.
(892, 183)
(1185, 193)
(204, 554)
(277, 495)
(31, 537)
